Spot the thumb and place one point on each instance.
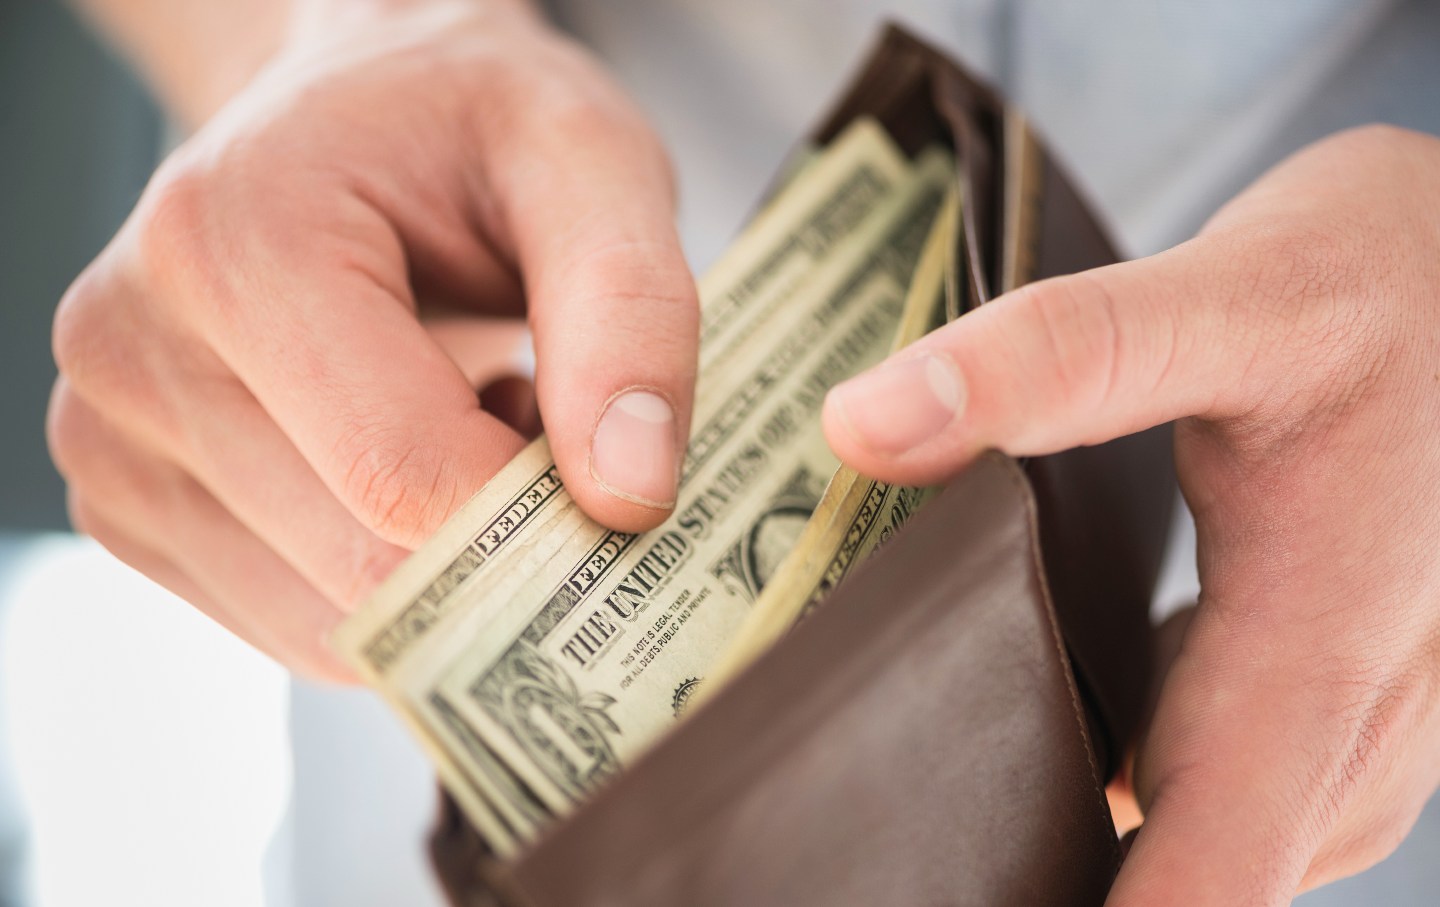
(590, 212)
(1073, 360)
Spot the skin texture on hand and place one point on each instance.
(1297, 341)
(254, 407)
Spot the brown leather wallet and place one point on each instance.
(941, 730)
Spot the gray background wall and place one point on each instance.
(77, 139)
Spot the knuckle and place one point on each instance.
(109, 337)
(110, 357)
(663, 322)
(78, 337)
(644, 273)
(1077, 324)
(64, 432)
(395, 486)
(639, 291)
(173, 231)
(579, 105)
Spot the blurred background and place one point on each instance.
(146, 757)
(78, 138)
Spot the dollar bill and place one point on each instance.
(597, 653)
(856, 514)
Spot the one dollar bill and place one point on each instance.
(856, 514)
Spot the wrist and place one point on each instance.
(191, 55)
(273, 27)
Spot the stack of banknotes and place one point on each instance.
(534, 653)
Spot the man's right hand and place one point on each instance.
(250, 410)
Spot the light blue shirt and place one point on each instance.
(1155, 104)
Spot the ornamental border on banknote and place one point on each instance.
(426, 608)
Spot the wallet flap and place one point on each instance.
(933, 676)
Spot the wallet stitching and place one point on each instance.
(1017, 478)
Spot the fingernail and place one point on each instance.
(634, 454)
(900, 404)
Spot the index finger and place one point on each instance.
(312, 312)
